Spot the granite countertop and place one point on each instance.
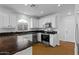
(27, 32)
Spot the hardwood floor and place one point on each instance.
(65, 48)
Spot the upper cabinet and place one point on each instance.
(7, 21)
(48, 19)
(1, 21)
(12, 21)
(35, 23)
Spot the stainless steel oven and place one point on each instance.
(45, 38)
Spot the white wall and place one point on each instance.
(66, 28)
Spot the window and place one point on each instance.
(22, 24)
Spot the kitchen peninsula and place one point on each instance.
(35, 35)
(29, 38)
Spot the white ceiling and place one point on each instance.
(39, 10)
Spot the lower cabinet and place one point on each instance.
(35, 38)
(24, 40)
(54, 40)
(39, 37)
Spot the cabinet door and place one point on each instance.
(53, 40)
(1, 21)
(5, 21)
(34, 38)
(25, 37)
(39, 37)
(13, 21)
(9, 21)
(35, 23)
(23, 40)
(20, 42)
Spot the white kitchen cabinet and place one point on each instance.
(1, 21)
(48, 19)
(22, 40)
(7, 20)
(7, 23)
(54, 40)
(13, 21)
(39, 37)
(35, 23)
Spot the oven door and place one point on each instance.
(45, 38)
